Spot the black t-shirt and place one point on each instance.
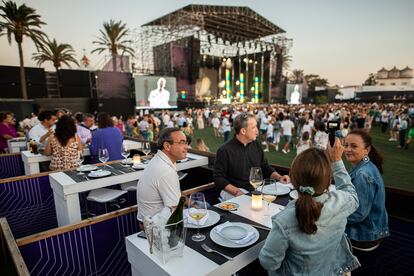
(234, 161)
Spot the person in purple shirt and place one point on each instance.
(7, 130)
(106, 136)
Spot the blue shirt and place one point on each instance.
(290, 251)
(370, 221)
(109, 138)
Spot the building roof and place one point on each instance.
(231, 23)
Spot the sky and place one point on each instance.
(341, 40)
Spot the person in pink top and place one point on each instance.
(7, 130)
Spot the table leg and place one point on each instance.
(67, 209)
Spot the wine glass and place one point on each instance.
(269, 193)
(256, 177)
(80, 160)
(197, 210)
(125, 153)
(146, 148)
(103, 156)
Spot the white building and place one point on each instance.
(395, 77)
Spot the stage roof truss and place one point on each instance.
(223, 31)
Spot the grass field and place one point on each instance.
(398, 163)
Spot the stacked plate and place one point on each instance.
(234, 234)
(87, 168)
(99, 173)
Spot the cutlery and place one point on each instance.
(210, 250)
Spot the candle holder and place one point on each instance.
(257, 202)
(136, 159)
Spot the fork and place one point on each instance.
(210, 250)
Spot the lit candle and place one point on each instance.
(136, 159)
(257, 200)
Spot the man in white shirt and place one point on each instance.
(84, 130)
(40, 133)
(287, 129)
(159, 97)
(159, 187)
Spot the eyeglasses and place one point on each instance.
(182, 142)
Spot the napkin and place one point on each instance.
(250, 235)
(193, 221)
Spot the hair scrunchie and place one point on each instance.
(307, 190)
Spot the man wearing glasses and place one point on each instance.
(159, 187)
(235, 158)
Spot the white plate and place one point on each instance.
(228, 206)
(139, 166)
(226, 243)
(234, 232)
(100, 173)
(282, 189)
(128, 161)
(87, 168)
(212, 219)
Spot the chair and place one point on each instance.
(105, 196)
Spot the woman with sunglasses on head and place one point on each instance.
(307, 237)
(369, 223)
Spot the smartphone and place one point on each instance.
(142, 235)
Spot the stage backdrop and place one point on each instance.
(145, 84)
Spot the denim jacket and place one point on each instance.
(370, 220)
(289, 251)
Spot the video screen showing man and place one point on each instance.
(158, 98)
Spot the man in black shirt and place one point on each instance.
(235, 158)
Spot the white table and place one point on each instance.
(66, 190)
(192, 262)
(15, 144)
(31, 161)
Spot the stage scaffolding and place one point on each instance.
(222, 31)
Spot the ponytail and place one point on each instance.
(376, 159)
(310, 174)
(308, 212)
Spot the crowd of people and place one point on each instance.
(318, 228)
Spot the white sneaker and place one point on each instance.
(266, 150)
(284, 151)
(263, 143)
(288, 150)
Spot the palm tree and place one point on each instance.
(21, 21)
(113, 39)
(297, 76)
(56, 53)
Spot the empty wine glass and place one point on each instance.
(269, 193)
(125, 153)
(197, 210)
(103, 156)
(80, 160)
(256, 177)
(146, 148)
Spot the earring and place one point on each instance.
(365, 158)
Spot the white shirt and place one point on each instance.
(159, 99)
(215, 122)
(158, 187)
(226, 125)
(38, 131)
(287, 126)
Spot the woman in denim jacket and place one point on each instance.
(307, 237)
(369, 223)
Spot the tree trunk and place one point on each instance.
(57, 81)
(114, 62)
(22, 73)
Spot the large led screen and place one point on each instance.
(155, 92)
